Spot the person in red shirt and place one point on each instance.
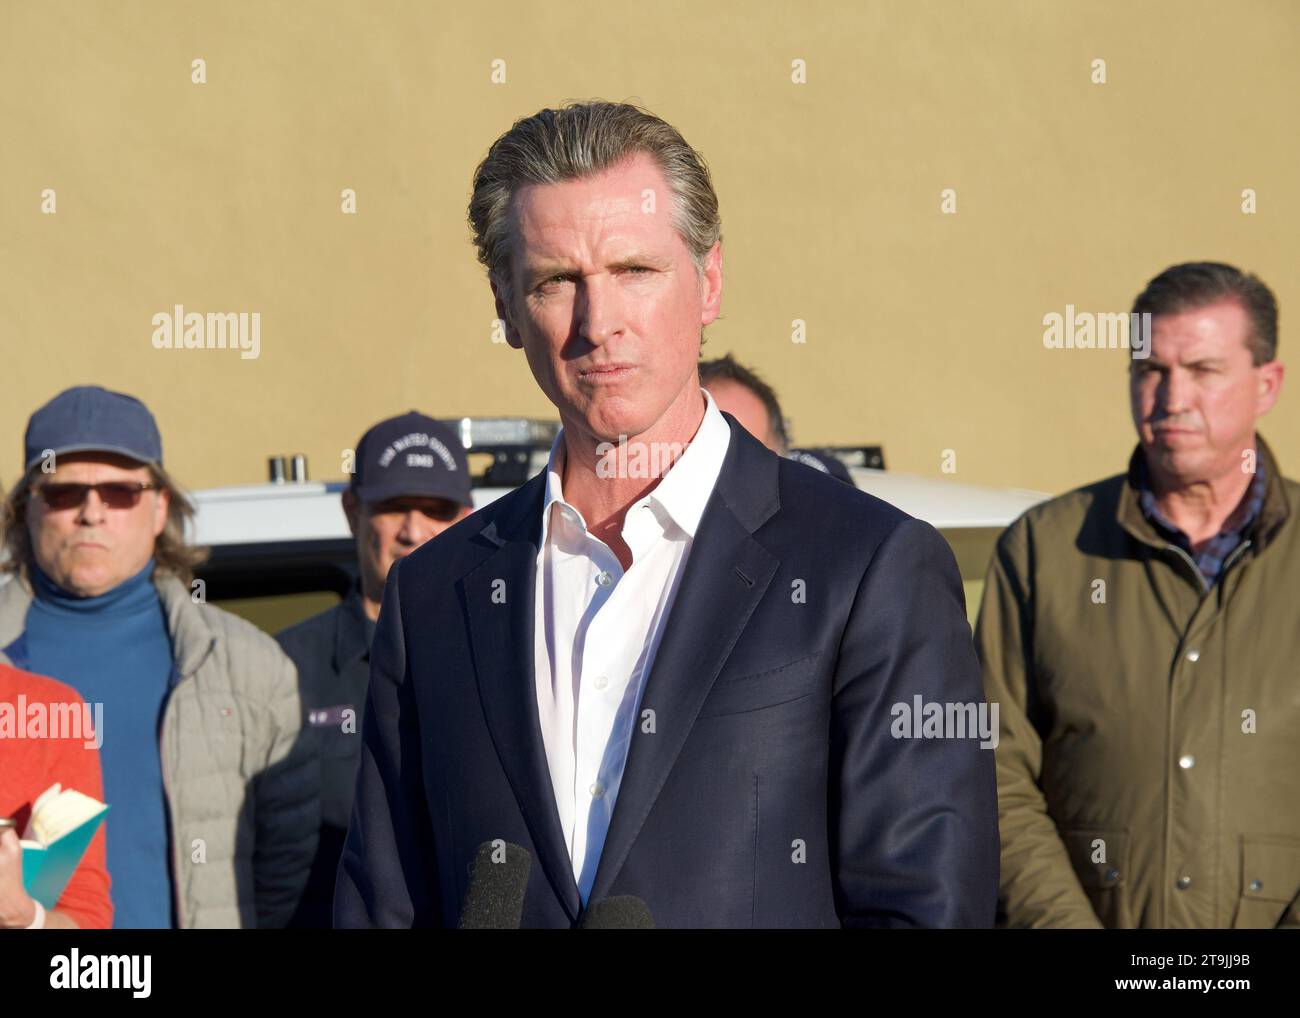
(28, 766)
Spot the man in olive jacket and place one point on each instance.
(1141, 635)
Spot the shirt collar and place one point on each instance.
(682, 493)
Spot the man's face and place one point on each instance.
(1196, 398)
(90, 548)
(748, 410)
(608, 304)
(392, 529)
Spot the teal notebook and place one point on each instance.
(61, 828)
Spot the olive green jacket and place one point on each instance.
(241, 784)
(1149, 755)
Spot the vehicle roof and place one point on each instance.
(302, 511)
(944, 504)
(312, 510)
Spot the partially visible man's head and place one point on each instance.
(599, 228)
(1213, 370)
(95, 503)
(740, 392)
(411, 483)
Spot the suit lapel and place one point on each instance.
(501, 634)
(726, 575)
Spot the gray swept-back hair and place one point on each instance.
(578, 140)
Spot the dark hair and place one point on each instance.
(1195, 284)
(171, 554)
(726, 369)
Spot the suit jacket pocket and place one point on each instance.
(1270, 881)
(769, 688)
(1100, 860)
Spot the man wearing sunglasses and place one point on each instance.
(411, 483)
(214, 803)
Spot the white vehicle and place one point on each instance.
(281, 551)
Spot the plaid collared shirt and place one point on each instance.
(1217, 550)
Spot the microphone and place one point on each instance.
(498, 880)
(621, 912)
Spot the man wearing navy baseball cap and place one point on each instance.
(214, 814)
(411, 483)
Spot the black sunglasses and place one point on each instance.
(114, 494)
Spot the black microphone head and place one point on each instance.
(498, 879)
(621, 912)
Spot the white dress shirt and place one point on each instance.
(597, 629)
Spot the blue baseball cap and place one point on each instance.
(87, 418)
(412, 455)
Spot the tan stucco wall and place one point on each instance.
(924, 330)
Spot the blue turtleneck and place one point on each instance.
(114, 649)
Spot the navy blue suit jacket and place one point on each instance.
(768, 789)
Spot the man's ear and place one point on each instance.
(160, 506)
(1269, 382)
(351, 509)
(503, 313)
(711, 286)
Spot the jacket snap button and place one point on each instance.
(1184, 883)
(1257, 885)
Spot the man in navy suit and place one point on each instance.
(674, 666)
